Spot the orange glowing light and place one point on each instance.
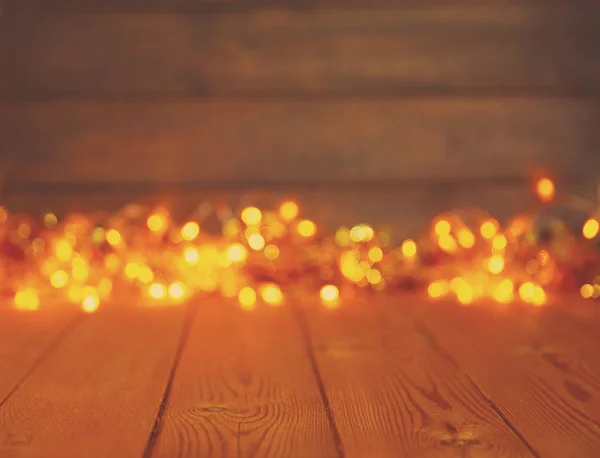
(63, 250)
(545, 189)
(495, 264)
(272, 295)
(157, 291)
(247, 298)
(271, 252)
(466, 238)
(256, 242)
(307, 228)
(50, 220)
(190, 231)
(191, 255)
(27, 299)
(113, 237)
(587, 291)
(375, 254)
(251, 216)
(489, 229)
(442, 228)
(236, 252)
(157, 222)
(176, 290)
(409, 248)
(90, 304)
(499, 242)
(447, 243)
(504, 292)
(330, 295)
(59, 279)
(591, 228)
(288, 211)
(437, 289)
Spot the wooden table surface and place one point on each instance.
(393, 376)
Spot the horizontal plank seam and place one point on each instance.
(372, 90)
(436, 346)
(183, 339)
(64, 332)
(384, 185)
(308, 342)
(67, 7)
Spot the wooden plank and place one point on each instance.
(25, 338)
(393, 394)
(244, 387)
(249, 142)
(533, 372)
(99, 391)
(404, 211)
(298, 51)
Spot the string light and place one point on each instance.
(261, 256)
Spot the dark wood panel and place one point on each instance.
(404, 211)
(98, 393)
(244, 387)
(271, 50)
(250, 142)
(392, 394)
(527, 361)
(25, 337)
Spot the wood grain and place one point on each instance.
(244, 388)
(270, 50)
(25, 337)
(254, 142)
(393, 394)
(98, 393)
(533, 371)
(404, 211)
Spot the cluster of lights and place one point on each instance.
(264, 257)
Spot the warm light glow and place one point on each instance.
(27, 300)
(237, 253)
(90, 304)
(330, 295)
(489, 229)
(191, 255)
(587, 291)
(50, 220)
(190, 231)
(272, 295)
(256, 242)
(466, 238)
(157, 222)
(113, 237)
(288, 211)
(504, 292)
(176, 290)
(447, 243)
(157, 291)
(271, 252)
(442, 228)
(251, 216)
(375, 254)
(591, 228)
(63, 250)
(499, 242)
(495, 264)
(307, 228)
(545, 189)
(247, 298)
(59, 279)
(409, 248)
(437, 289)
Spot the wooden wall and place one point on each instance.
(415, 105)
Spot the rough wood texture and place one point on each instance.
(244, 388)
(404, 211)
(274, 50)
(246, 142)
(97, 394)
(535, 375)
(24, 339)
(393, 394)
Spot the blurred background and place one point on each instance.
(362, 110)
